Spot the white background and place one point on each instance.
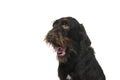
(24, 24)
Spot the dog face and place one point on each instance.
(66, 37)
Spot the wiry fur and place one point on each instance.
(79, 61)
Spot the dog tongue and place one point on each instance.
(60, 51)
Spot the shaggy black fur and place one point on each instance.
(74, 52)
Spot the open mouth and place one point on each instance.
(60, 51)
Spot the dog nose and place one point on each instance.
(51, 36)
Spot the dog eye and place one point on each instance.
(55, 23)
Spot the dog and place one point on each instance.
(74, 52)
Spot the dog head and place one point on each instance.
(67, 37)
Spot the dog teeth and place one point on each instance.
(58, 48)
(60, 51)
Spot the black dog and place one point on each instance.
(74, 52)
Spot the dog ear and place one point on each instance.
(84, 39)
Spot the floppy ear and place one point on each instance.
(84, 39)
